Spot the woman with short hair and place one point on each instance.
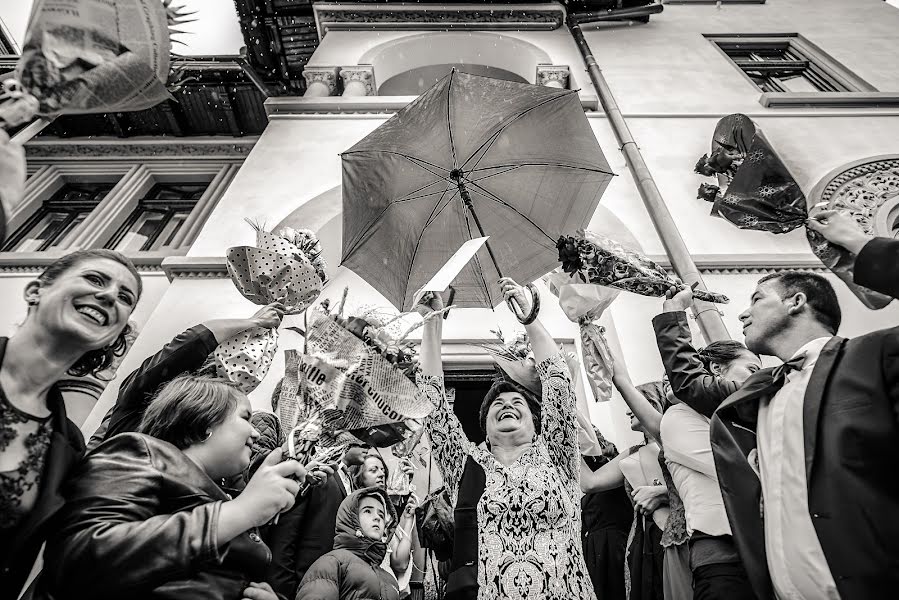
(146, 518)
(517, 515)
(76, 325)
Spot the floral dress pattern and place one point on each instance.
(529, 517)
(19, 487)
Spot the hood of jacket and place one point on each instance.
(347, 532)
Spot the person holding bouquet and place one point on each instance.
(531, 460)
(145, 517)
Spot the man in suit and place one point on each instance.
(806, 452)
(306, 532)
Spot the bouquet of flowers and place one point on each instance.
(92, 56)
(596, 259)
(763, 196)
(275, 270)
(584, 303)
(354, 379)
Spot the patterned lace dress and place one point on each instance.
(529, 516)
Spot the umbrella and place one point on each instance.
(471, 157)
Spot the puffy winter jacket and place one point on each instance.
(352, 570)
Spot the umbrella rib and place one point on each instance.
(490, 141)
(410, 195)
(491, 174)
(542, 164)
(413, 159)
(491, 196)
(381, 215)
(434, 214)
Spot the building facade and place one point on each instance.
(337, 71)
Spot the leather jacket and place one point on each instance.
(140, 523)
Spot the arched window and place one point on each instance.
(870, 189)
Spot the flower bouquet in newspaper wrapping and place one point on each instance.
(763, 196)
(354, 380)
(584, 303)
(515, 362)
(594, 258)
(285, 267)
(91, 56)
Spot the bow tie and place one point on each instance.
(781, 371)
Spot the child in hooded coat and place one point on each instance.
(351, 571)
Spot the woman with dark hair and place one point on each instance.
(517, 515)
(77, 323)
(700, 381)
(145, 517)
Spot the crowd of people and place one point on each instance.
(751, 482)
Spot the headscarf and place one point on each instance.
(348, 534)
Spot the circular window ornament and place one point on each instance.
(869, 190)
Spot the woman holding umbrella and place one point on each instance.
(517, 516)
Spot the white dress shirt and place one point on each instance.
(796, 561)
(688, 453)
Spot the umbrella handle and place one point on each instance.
(535, 306)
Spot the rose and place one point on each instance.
(569, 254)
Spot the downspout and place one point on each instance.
(707, 315)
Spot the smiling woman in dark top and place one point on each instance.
(77, 320)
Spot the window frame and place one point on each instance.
(56, 204)
(855, 92)
(171, 208)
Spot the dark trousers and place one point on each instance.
(721, 581)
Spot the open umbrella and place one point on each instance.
(471, 157)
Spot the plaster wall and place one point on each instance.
(667, 66)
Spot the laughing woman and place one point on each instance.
(145, 517)
(76, 324)
(517, 516)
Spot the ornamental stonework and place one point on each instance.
(865, 190)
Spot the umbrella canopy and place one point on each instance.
(472, 156)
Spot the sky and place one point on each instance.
(215, 32)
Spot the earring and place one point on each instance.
(358, 533)
(208, 434)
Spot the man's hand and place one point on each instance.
(677, 299)
(840, 229)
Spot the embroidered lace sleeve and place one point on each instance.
(559, 423)
(448, 441)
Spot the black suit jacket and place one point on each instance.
(851, 435)
(303, 534)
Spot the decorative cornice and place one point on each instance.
(35, 262)
(522, 17)
(285, 106)
(160, 150)
(214, 267)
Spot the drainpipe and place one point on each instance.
(707, 315)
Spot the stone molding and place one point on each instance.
(557, 76)
(483, 17)
(288, 106)
(163, 150)
(358, 78)
(214, 267)
(321, 76)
